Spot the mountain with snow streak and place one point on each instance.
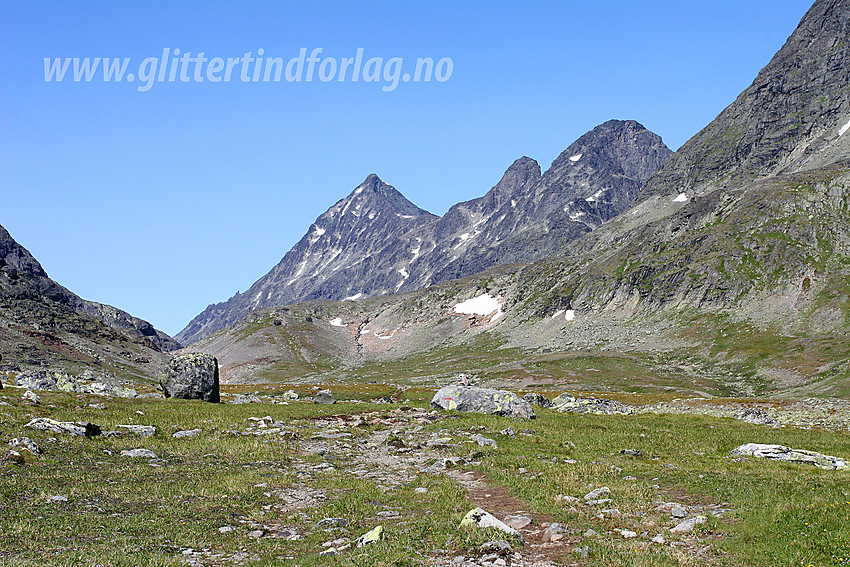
(376, 242)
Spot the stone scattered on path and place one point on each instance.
(324, 397)
(83, 429)
(191, 376)
(482, 400)
(481, 518)
(688, 525)
(789, 455)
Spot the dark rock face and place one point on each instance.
(42, 314)
(191, 376)
(376, 242)
(789, 119)
(482, 400)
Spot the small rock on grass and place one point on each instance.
(595, 494)
(140, 430)
(25, 443)
(139, 453)
(186, 433)
(688, 525)
(372, 536)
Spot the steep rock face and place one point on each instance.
(793, 117)
(36, 309)
(376, 242)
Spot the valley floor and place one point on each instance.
(299, 483)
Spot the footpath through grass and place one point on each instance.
(123, 511)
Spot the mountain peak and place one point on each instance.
(790, 119)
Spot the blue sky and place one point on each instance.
(161, 202)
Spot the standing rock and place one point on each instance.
(191, 376)
(482, 400)
(324, 397)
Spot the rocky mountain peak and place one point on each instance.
(793, 117)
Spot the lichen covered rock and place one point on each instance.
(482, 400)
(595, 406)
(789, 455)
(191, 376)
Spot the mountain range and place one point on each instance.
(376, 242)
(730, 273)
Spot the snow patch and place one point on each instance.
(404, 216)
(595, 197)
(557, 313)
(483, 304)
(464, 236)
(354, 297)
(570, 315)
(681, 198)
(497, 316)
(513, 202)
(358, 190)
(575, 158)
(337, 322)
(844, 128)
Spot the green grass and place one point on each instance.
(123, 511)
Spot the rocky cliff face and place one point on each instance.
(42, 322)
(376, 242)
(793, 117)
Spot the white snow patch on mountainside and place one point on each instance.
(337, 322)
(844, 128)
(570, 315)
(354, 297)
(575, 158)
(483, 304)
(681, 198)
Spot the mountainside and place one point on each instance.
(375, 242)
(42, 322)
(731, 276)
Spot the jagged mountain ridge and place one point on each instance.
(42, 322)
(375, 242)
(737, 273)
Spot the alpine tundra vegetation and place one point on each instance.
(636, 358)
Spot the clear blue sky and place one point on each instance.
(164, 201)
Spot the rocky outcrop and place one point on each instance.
(191, 376)
(82, 429)
(482, 400)
(788, 455)
(569, 403)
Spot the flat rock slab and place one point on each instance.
(139, 454)
(482, 400)
(82, 429)
(595, 406)
(140, 430)
(789, 455)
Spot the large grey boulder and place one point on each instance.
(324, 397)
(482, 400)
(191, 376)
(789, 455)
